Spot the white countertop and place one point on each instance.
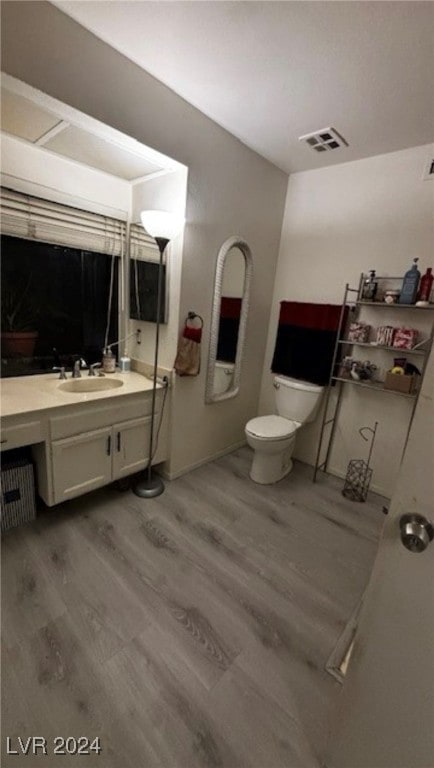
(25, 394)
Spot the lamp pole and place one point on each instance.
(152, 485)
(162, 226)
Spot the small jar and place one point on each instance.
(391, 297)
(108, 361)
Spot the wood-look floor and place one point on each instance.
(188, 630)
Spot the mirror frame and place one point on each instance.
(232, 242)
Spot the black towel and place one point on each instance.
(306, 338)
(230, 310)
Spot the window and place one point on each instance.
(55, 305)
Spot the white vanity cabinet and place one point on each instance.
(91, 459)
(88, 450)
(130, 446)
(80, 447)
(81, 463)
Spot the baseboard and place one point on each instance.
(334, 662)
(206, 460)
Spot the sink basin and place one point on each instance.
(97, 384)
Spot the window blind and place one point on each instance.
(142, 246)
(33, 218)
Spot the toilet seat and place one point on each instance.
(271, 427)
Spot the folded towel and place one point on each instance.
(305, 342)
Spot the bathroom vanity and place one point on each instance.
(81, 436)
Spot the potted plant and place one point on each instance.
(18, 322)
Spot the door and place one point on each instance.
(81, 463)
(385, 717)
(131, 446)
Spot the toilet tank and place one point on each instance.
(223, 376)
(296, 400)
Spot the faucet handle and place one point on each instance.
(92, 369)
(61, 369)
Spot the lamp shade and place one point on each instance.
(162, 223)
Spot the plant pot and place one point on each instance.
(18, 343)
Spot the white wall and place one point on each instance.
(231, 191)
(340, 221)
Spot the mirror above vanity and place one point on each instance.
(229, 318)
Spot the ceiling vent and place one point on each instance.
(324, 140)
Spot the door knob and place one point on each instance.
(416, 532)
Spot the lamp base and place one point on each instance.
(148, 487)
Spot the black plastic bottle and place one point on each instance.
(370, 286)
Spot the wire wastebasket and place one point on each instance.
(359, 471)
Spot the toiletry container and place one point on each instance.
(108, 361)
(370, 286)
(125, 364)
(273, 437)
(425, 286)
(410, 285)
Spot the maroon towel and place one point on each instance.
(195, 334)
(230, 307)
(322, 317)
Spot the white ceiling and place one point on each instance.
(270, 72)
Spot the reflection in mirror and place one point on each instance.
(230, 306)
(143, 277)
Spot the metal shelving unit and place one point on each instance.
(352, 303)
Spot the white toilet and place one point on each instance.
(223, 375)
(273, 437)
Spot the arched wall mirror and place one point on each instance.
(229, 319)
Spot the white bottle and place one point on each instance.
(125, 364)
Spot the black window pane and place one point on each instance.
(144, 290)
(53, 298)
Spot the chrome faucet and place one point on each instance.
(76, 371)
(61, 370)
(92, 369)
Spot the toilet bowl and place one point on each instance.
(273, 437)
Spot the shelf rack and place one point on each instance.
(352, 302)
(377, 386)
(382, 347)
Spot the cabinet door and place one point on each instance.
(131, 446)
(81, 463)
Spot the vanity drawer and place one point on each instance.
(19, 435)
(86, 418)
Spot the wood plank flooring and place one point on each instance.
(186, 631)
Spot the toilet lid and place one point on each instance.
(271, 427)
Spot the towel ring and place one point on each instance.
(194, 316)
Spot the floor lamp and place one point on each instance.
(163, 227)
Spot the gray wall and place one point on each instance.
(231, 191)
